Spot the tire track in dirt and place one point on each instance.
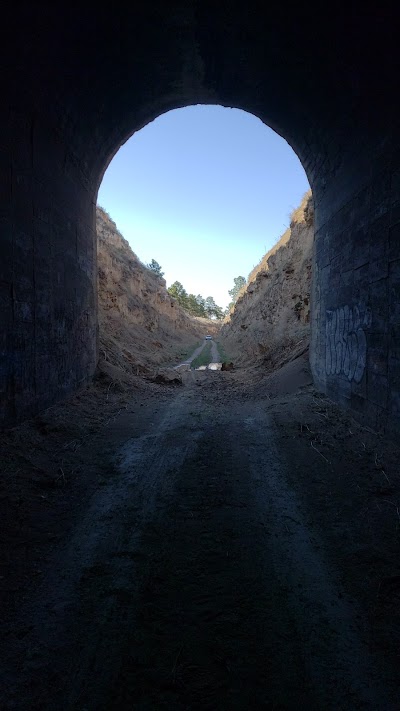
(194, 579)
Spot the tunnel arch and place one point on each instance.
(77, 85)
(169, 185)
(155, 114)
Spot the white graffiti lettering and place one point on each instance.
(346, 344)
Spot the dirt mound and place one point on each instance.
(141, 327)
(168, 376)
(288, 379)
(270, 323)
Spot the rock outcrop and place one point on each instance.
(141, 327)
(270, 322)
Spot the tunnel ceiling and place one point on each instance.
(306, 76)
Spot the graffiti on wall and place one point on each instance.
(346, 343)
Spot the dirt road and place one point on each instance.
(215, 356)
(215, 363)
(195, 353)
(216, 565)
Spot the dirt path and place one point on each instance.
(195, 353)
(215, 356)
(209, 570)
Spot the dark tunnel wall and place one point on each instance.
(76, 83)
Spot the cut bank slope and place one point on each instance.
(141, 326)
(270, 320)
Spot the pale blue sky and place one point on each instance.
(205, 191)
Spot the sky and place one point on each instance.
(205, 191)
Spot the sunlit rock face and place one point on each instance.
(270, 323)
(82, 81)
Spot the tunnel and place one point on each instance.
(77, 82)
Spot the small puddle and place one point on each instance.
(210, 366)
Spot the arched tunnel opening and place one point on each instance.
(232, 543)
(207, 191)
(56, 152)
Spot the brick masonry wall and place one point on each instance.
(48, 295)
(355, 352)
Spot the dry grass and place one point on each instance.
(270, 322)
(296, 215)
(141, 326)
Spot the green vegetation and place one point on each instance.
(195, 305)
(238, 283)
(223, 355)
(155, 267)
(204, 358)
(212, 309)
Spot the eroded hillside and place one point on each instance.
(140, 325)
(270, 321)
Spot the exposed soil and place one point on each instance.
(271, 319)
(141, 327)
(228, 544)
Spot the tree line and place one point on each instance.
(198, 305)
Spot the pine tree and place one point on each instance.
(155, 267)
(239, 282)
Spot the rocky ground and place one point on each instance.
(229, 543)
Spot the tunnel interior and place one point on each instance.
(75, 89)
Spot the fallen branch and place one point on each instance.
(317, 450)
(173, 672)
(395, 506)
(62, 475)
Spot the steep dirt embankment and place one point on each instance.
(270, 321)
(140, 325)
